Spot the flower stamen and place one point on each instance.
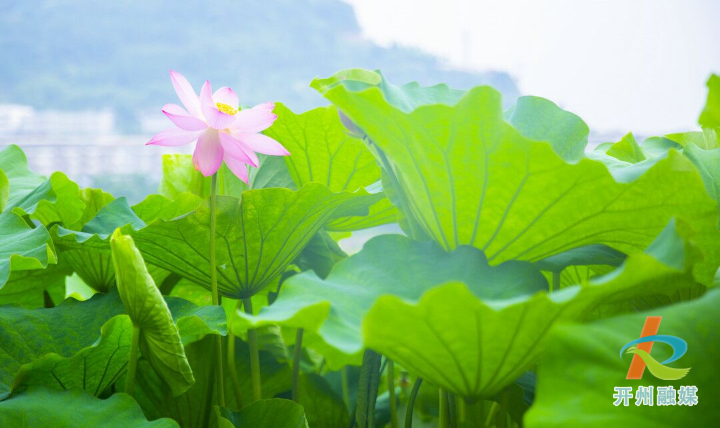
(226, 109)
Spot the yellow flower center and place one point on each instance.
(226, 109)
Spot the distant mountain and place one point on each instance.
(88, 54)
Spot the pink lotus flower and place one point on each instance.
(221, 131)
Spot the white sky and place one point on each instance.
(622, 65)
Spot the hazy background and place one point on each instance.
(82, 82)
(622, 65)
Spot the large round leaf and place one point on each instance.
(273, 413)
(542, 120)
(83, 344)
(475, 347)
(469, 178)
(87, 250)
(323, 152)
(20, 180)
(53, 200)
(93, 369)
(27, 335)
(258, 236)
(40, 407)
(710, 116)
(334, 307)
(31, 288)
(180, 176)
(22, 247)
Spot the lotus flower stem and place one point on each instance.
(555, 286)
(231, 362)
(461, 411)
(47, 300)
(411, 402)
(132, 362)
(444, 415)
(452, 410)
(476, 413)
(215, 297)
(345, 388)
(297, 355)
(391, 393)
(254, 355)
(491, 413)
(503, 415)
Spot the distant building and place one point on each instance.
(60, 123)
(16, 119)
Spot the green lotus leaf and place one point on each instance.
(576, 274)
(57, 200)
(334, 307)
(96, 367)
(180, 176)
(93, 267)
(657, 146)
(193, 409)
(271, 172)
(41, 407)
(273, 413)
(706, 139)
(460, 343)
(53, 200)
(323, 407)
(94, 200)
(542, 120)
(577, 390)
(156, 207)
(405, 98)
(95, 234)
(710, 116)
(323, 152)
(27, 335)
(582, 256)
(160, 341)
(32, 288)
(88, 250)
(475, 347)
(23, 247)
(320, 254)
(620, 154)
(275, 368)
(193, 321)
(579, 265)
(20, 179)
(113, 215)
(519, 200)
(4, 190)
(708, 163)
(700, 148)
(257, 237)
(660, 276)
(627, 150)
